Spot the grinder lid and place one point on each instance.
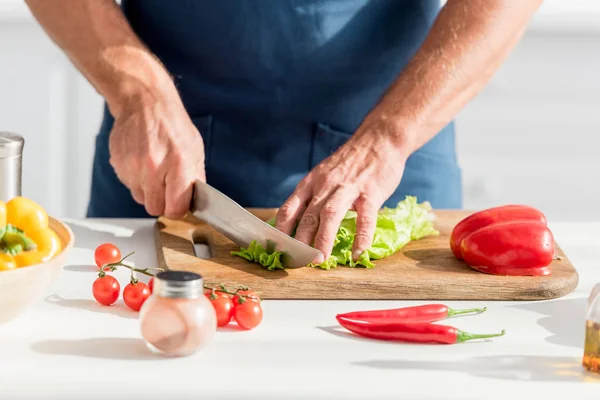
(11, 145)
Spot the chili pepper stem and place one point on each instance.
(464, 336)
(452, 312)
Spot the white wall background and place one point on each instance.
(533, 135)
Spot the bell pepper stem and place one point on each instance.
(464, 336)
(15, 240)
(452, 312)
(14, 249)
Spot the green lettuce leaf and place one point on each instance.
(395, 228)
(258, 254)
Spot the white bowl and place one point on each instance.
(21, 288)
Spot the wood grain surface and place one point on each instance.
(423, 269)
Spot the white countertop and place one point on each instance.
(70, 347)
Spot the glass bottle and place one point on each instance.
(177, 319)
(591, 351)
(11, 155)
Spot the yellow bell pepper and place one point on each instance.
(26, 236)
(25, 214)
(7, 262)
(47, 246)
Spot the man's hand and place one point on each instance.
(157, 152)
(360, 175)
(155, 149)
(467, 43)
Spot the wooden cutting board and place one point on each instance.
(423, 269)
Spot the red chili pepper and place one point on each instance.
(407, 332)
(424, 313)
(491, 216)
(510, 248)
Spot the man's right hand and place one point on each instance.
(157, 152)
(155, 149)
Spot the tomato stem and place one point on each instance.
(223, 289)
(132, 278)
(113, 267)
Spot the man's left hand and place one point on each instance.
(361, 175)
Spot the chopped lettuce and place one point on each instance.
(395, 228)
(258, 254)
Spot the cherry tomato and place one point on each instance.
(249, 293)
(223, 306)
(106, 253)
(248, 314)
(151, 285)
(135, 294)
(106, 290)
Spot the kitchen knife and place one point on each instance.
(242, 227)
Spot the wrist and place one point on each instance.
(402, 136)
(135, 80)
(397, 133)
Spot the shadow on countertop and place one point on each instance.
(564, 319)
(81, 268)
(104, 348)
(506, 367)
(93, 306)
(140, 241)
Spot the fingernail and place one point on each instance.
(320, 258)
(356, 255)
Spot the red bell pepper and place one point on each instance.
(523, 247)
(424, 313)
(411, 332)
(488, 217)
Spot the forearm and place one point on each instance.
(467, 43)
(97, 38)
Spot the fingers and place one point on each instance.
(366, 221)
(290, 211)
(135, 188)
(157, 162)
(180, 189)
(331, 217)
(153, 185)
(178, 198)
(309, 222)
(138, 195)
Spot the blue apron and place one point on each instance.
(274, 87)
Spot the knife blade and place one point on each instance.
(242, 227)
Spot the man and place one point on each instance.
(313, 106)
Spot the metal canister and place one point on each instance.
(11, 162)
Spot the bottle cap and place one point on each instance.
(178, 285)
(11, 145)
